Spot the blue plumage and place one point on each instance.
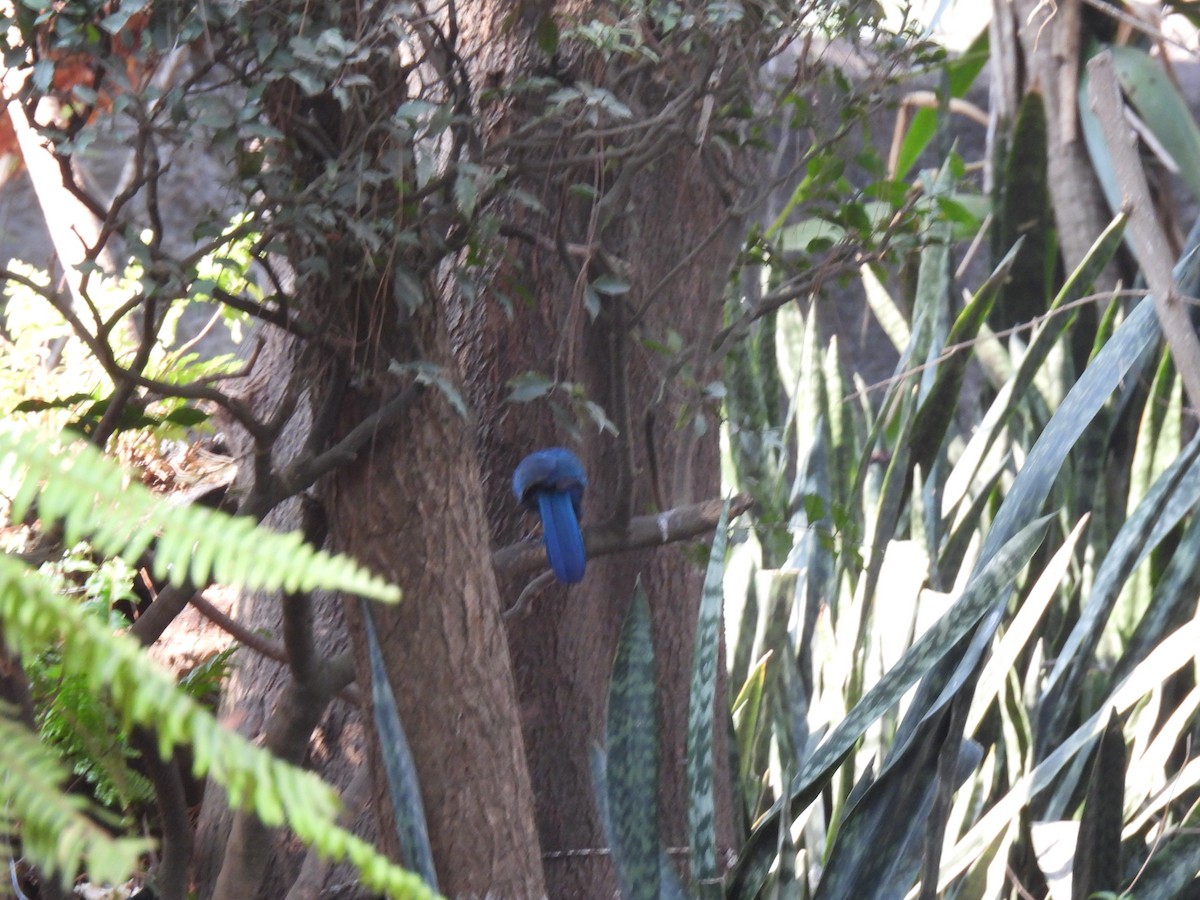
(551, 481)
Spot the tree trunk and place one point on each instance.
(413, 512)
(563, 639)
(501, 749)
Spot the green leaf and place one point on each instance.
(187, 416)
(1024, 213)
(32, 797)
(36, 618)
(529, 386)
(610, 286)
(924, 125)
(1097, 863)
(1174, 495)
(546, 35)
(1157, 100)
(747, 710)
(937, 410)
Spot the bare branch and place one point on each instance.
(306, 470)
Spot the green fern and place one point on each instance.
(58, 831)
(90, 496)
(86, 735)
(35, 618)
(76, 485)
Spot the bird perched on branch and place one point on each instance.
(551, 481)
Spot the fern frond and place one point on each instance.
(59, 833)
(143, 693)
(76, 485)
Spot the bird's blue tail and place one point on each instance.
(560, 531)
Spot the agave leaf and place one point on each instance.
(631, 739)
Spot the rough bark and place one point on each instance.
(413, 511)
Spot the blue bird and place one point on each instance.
(552, 482)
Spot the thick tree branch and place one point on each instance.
(297, 607)
(679, 524)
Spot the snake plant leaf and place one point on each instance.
(856, 869)
(1024, 211)
(702, 830)
(631, 769)
(986, 588)
(937, 408)
(1159, 105)
(1171, 869)
(1104, 377)
(404, 787)
(1097, 863)
(1174, 495)
(1172, 604)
